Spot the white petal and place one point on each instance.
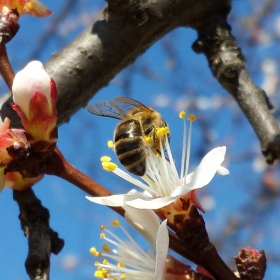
(144, 221)
(222, 171)
(116, 200)
(204, 173)
(149, 203)
(29, 80)
(162, 245)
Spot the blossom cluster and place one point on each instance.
(34, 96)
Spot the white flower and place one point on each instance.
(163, 185)
(130, 261)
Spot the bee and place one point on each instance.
(138, 123)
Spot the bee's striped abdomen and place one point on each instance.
(130, 146)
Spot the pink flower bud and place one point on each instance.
(14, 139)
(15, 181)
(12, 143)
(34, 95)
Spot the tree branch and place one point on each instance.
(228, 66)
(42, 240)
(114, 41)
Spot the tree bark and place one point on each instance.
(123, 31)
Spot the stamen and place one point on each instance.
(99, 274)
(182, 114)
(171, 160)
(134, 181)
(121, 264)
(109, 166)
(148, 140)
(161, 131)
(106, 248)
(94, 252)
(184, 144)
(105, 159)
(116, 223)
(165, 190)
(110, 144)
(191, 118)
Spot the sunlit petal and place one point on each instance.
(150, 203)
(115, 200)
(144, 221)
(162, 243)
(205, 171)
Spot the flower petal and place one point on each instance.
(204, 173)
(36, 9)
(116, 200)
(27, 82)
(222, 171)
(150, 203)
(162, 245)
(144, 221)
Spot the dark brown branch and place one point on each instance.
(228, 66)
(42, 240)
(113, 42)
(6, 70)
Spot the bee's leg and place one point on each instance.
(149, 130)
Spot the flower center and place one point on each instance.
(130, 261)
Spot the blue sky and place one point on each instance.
(169, 77)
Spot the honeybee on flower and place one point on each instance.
(137, 129)
(162, 183)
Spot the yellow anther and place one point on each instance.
(98, 274)
(191, 118)
(116, 223)
(161, 131)
(97, 264)
(94, 252)
(102, 227)
(105, 159)
(99, 268)
(106, 248)
(123, 276)
(121, 264)
(148, 140)
(109, 166)
(102, 235)
(182, 114)
(105, 262)
(110, 144)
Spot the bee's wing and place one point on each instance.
(106, 108)
(126, 104)
(117, 108)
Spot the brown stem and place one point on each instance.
(57, 165)
(5, 67)
(215, 265)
